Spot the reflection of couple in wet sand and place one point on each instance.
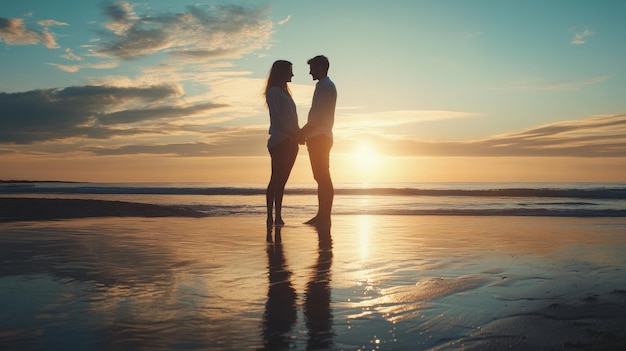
(285, 135)
(281, 307)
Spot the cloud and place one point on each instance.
(70, 55)
(280, 23)
(91, 112)
(234, 141)
(14, 32)
(603, 136)
(181, 149)
(581, 38)
(121, 16)
(150, 114)
(50, 23)
(200, 31)
(76, 68)
(401, 118)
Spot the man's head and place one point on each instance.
(318, 67)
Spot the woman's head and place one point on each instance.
(280, 74)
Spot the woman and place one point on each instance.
(282, 143)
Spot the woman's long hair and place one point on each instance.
(279, 74)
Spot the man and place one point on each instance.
(318, 134)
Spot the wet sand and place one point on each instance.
(366, 283)
(33, 209)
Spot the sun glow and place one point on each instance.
(362, 164)
(365, 157)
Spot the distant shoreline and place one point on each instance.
(38, 181)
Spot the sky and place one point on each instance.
(428, 91)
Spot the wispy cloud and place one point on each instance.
(51, 23)
(581, 37)
(200, 31)
(398, 118)
(602, 136)
(234, 141)
(70, 55)
(13, 31)
(78, 67)
(281, 22)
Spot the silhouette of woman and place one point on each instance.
(282, 144)
(280, 309)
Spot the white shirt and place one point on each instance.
(283, 116)
(323, 108)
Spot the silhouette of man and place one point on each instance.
(317, 296)
(318, 135)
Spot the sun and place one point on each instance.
(365, 157)
(362, 163)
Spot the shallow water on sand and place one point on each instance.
(379, 283)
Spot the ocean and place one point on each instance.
(463, 199)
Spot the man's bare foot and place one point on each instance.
(318, 220)
(312, 220)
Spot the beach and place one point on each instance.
(176, 280)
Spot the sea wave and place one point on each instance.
(617, 192)
(450, 199)
(28, 209)
(513, 212)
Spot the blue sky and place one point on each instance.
(100, 90)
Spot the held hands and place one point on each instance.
(300, 137)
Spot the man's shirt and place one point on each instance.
(322, 112)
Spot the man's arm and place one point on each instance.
(304, 131)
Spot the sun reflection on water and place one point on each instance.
(364, 237)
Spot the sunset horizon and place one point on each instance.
(427, 91)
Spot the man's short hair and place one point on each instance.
(320, 61)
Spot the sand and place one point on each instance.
(366, 283)
(32, 209)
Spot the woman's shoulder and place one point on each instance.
(275, 91)
(276, 94)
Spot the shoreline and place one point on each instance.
(58, 208)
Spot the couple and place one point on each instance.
(285, 135)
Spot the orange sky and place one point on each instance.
(345, 169)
